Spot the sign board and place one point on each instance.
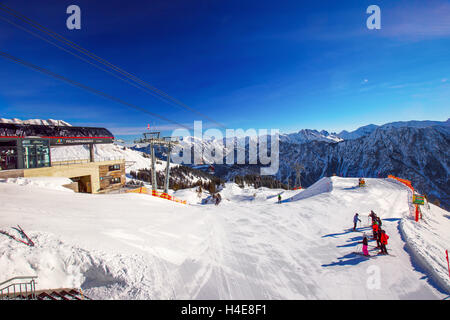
(79, 141)
(418, 199)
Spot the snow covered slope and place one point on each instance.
(132, 246)
(104, 152)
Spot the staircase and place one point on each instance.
(61, 294)
(24, 288)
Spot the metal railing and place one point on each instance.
(18, 290)
(66, 162)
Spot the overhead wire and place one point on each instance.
(141, 83)
(87, 88)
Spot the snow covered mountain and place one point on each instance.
(418, 154)
(307, 135)
(414, 150)
(367, 130)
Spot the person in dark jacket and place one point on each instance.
(379, 221)
(218, 199)
(373, 216)
(379, 237)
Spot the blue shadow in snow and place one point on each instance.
(351, 188)
(350, 259)
(276, 195)
(391, 219)
(334, 235)
(353, 244)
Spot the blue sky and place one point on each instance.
(285, 65)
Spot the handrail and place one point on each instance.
(18, 278)
(31, 284)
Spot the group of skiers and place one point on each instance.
(378, 234)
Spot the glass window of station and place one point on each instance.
(36, 153)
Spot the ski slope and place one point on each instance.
(134, 246)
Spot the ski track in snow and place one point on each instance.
(132, 246)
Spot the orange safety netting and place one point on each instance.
(404, 181)
(158, 194)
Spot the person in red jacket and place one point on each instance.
(375, 230)
(384, 241)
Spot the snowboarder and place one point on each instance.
(364, 247)
(279, 198)
(384, 242)
(355, 221)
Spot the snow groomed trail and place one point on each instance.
(132, 246)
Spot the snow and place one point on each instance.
(135, 246)
(427, 242)
(50, 183)
(49, 122)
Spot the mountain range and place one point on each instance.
(413, 150)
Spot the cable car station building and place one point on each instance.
(25, 151)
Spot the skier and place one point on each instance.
(379, 221)
(355, 221)
(379, 237)
(365, 244)
(375, 229)
(279, 198)
(217, 199)
(384, 242)
(373, 215)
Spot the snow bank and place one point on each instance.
(427, 241)
(190, 195)
(321, 186)
(52, 183)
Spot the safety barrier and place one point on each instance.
(413, 208)
(158, 194)
(404, 181)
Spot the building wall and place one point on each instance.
(106, 173)
(6, 174)
(75, 170)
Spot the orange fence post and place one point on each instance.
(448, 263)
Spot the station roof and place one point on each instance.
(58, 135)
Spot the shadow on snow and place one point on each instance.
(350, 259)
